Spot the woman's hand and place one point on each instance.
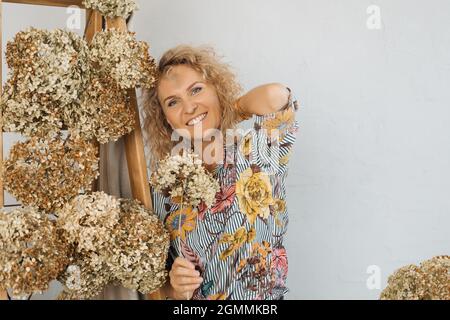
(184, 279)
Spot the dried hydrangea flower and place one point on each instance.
(47, 172)
(84, 278)
(185, 180)
(89, 220)
(140, 249)
(47, 72)
(33, 252)
(115, 241)
(431, 280)
(112, 8)
(105, 113)
(118, 55)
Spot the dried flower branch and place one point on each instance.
(33, 251)
(140, 248)
(185, 180)
(48, 70)
(112, 8)
(429, 281)
(115, 241)
(46, 173)
(118, 55)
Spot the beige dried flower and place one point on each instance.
(46, 173)
(118, 55)
(48, 70)
(185, 180)
(429, 281)
(84, 278)
(89, 220)
(140, 249)
(116, 241)
(112, 8)
(105, 113)
(33, 252)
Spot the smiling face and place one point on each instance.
(190, 104)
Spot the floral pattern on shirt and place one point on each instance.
(237, 244)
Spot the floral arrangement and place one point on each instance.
(112, 8)
(116, 241)
(104, 114)
(57, 81)
(95, 240)
(118, 55)
(47, 72)
(429, 281)
(47, 172)
(32, 251)
(85, 241)
(185, 180)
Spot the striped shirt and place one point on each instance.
(237, 244)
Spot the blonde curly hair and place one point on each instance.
(203, 59)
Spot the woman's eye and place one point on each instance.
(171, 103)
(194, 90)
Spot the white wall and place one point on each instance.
(370, 174)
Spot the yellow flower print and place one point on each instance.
(281, 122)
(251, 235)
(188, 222)
(254, 192)
(278, 206)
(236, 240)
(217, 296)
(246, 145)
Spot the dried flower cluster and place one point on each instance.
(104, 114)
(47, 172)
(112, 8)
(57, 81)
(185, 180)
(429, 281)
(140, 248)
(33, 251)
(118, 55)
(47, 72)
(115, 241)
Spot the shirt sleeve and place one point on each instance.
(273, 137)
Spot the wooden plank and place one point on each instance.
(53, 3)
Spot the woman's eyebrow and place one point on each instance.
(188, 88)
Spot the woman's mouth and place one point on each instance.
(197, 119)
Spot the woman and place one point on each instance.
(233, 250)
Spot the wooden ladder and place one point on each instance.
(134, 146)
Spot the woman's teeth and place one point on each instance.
(197, 119)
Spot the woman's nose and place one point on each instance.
(190, 107)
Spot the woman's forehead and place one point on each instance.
(179, 75)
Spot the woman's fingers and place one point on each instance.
(182, 262)
(184, 278)
(188, 280)
(184, 272)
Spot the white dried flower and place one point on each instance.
(89, 220)
(47, 72)
(112, 8)
(185, 180)
(140, 249)
(33, 252)
(118, 55)
(429, 281)
(47, 172)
